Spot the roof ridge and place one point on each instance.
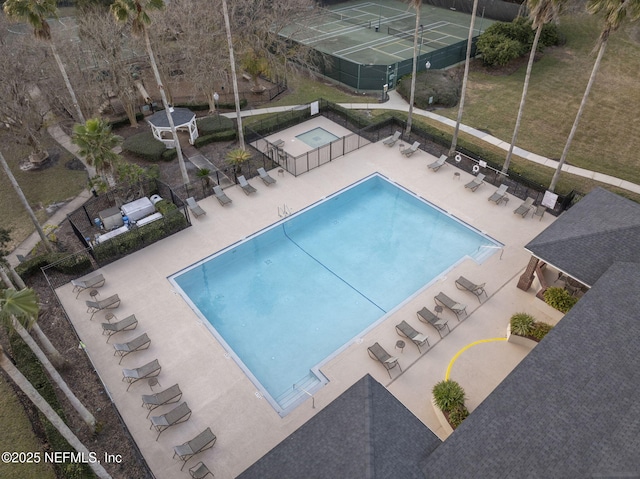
(369, 447)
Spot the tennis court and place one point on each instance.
(381, 32)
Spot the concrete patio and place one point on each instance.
(219, 393)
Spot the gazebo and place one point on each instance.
(183, 119)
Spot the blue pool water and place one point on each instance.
(286, 299)
(317, 137)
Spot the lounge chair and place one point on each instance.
(419, 339)
(195, 207)
(499, 195)
(447, 302)
(126, 324)
(392, 139)
(411, 150)
(149, 370)
(436, 165)
(246, 187)
(265, 177)
(179, 414)
(168, 396)
(137, 344)
(79, 285)
(476, 182)
(524, 208)
(477, 289)
(540, 211)
(203, 441)
(378, 353)
(199, 471)
(111, 302)
(221, 195)
(428, 317)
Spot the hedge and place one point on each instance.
(145, 146)
(76, 265)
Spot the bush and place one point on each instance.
(125, 121)
(76, 265)
(213, 124)
(145, 146)
(448, 395)
(522, 324)
(559, 299)
(228, 135)
(439, 85)
(457, 415)
(498, 49)
(540, 330)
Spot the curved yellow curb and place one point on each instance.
(453, 360)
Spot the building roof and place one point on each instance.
(570, 408)
(180, 116)
(366, 433)
(597, 231)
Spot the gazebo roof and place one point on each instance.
(181, 117)
(586, 240)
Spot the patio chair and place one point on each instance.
(221, 195)
(179, 414)
(149, 370)
(246, 187)
(199, 471)
(428, 317)
(265, 177)
(137, 344)
(406, 330)
(79, 285)
(203, 441)
(499, 195)
(168, 396)
(111, 302)
(378, 353)
(392, 139)
(524, 208)
(539, 211)
(474, 184)
(447, 302)
(195, 207)
(436, 165)
(126, 324)
(411, 150)
(477, 289)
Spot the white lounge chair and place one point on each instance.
(476, 182)
(168, 396)
(524, 208)
(126, 324)
(439, 163)
(79, 285)
(246, 187)
(499, 195)
(392, 139)
(205, 440)
(179, 414)
(265, 177)
(149, 370)
(411, 150)
(195, 207)
(137, 344)
(111, 302)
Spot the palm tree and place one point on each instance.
(465, 77)
(18, 306)
(35, 13)
(541, 12)
(615, 12)
(96, 142)
(416, 5)
(25, 204)
(27, 388)
(138, 12)
(234, 77)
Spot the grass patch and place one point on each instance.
(605, 141)
(17, 436)
(303, 90)
(42, 188)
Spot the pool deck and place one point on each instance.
(215, 388)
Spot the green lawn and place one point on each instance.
(17, 436)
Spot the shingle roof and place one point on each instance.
(180, 116)
(570, 409)
(364, 433)
(600, 229)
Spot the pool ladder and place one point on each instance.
(284, 211)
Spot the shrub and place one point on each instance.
(228, 135)
(145, 146)
(559, 299)
(439, 85)
(125, 121)
(497, 49)
(213, 124)
(448, 395)
(457, 415)
(540, 330)
(76, 265)
(522, 324)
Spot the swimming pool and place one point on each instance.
(288, 298)
(317, 137)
